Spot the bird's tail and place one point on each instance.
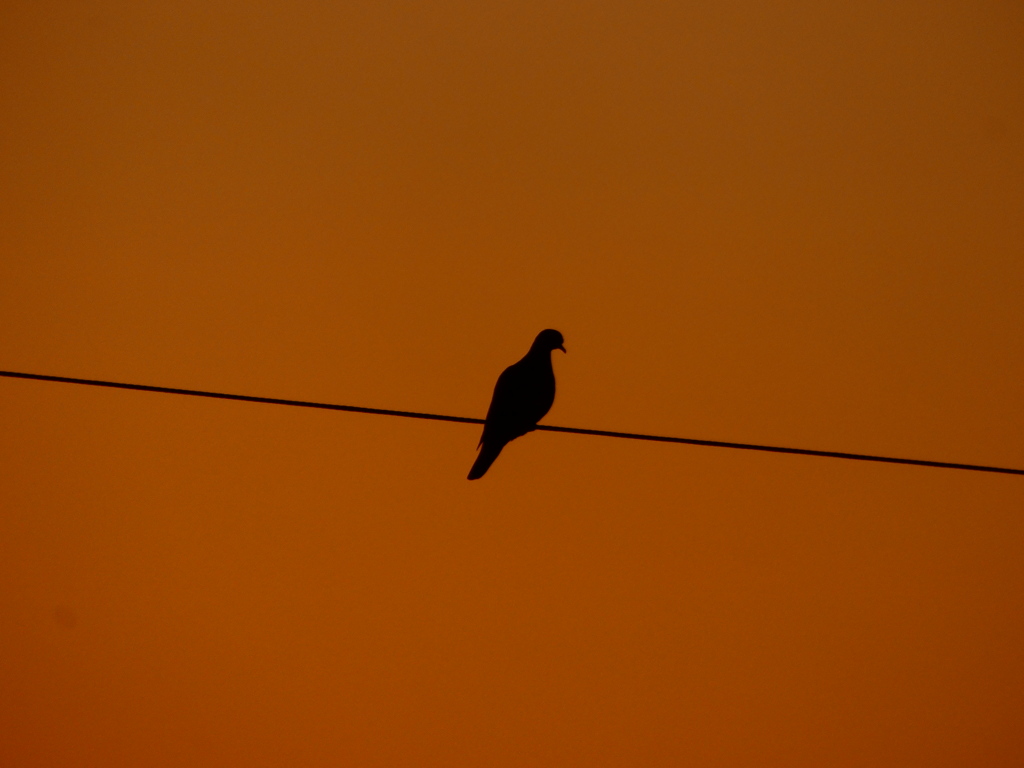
(488, 453)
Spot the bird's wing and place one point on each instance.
(522, 396)
(502, 410)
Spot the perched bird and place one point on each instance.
(523, 394)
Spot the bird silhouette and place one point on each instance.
(523, 394)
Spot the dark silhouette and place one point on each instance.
(523, 394)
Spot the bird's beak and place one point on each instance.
(562, 348)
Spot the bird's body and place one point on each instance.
(523, 395)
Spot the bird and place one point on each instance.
(523, 395)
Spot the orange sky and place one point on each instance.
(795, 223)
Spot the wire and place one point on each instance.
(244, 398)
(540, 427)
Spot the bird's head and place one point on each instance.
(549, 340)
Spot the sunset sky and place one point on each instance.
(795, 223)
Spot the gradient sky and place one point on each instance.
(795, 223)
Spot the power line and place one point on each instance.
(541, 427)
(244, 398)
